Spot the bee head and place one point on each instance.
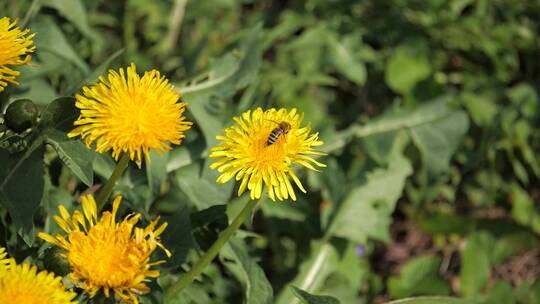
(285, 126)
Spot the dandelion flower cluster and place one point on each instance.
(106, 255)
(245, 154)
(24, 284)
(130, 114)
(15, 46)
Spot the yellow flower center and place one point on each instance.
(270, 155)
(110, 259)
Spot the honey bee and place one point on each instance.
(282, 128)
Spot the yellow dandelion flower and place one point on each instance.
(106, 255)
(247, 154)
(25, 285)
(15, 46)
(131, 114)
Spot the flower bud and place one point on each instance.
(21, 115)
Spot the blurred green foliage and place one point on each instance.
(429, 111)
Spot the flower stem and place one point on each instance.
(201, 264)
(105, 192)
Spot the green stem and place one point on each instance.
(205, 260)
(105, 192)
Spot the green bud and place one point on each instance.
(21, 115)
(56, 263)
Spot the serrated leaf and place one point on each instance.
(308, 298)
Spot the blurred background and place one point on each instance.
(429, 112)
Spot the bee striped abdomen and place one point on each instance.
(274, 135)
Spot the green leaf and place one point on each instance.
(60, 114)
(419, 276)
(438, 141)
(523, 208)
(282, 211)
(379, 146)
(432, 300)
(500, 293)
(476, 260)
(177, 237)
(75, 12)
(312, 272)
(38, 90)
(156, 171)
(436, 129)
(193, 294)
(104, 165)
(326, 258)
(52, 40)
(228, 74)
(57, 120)
(333, 180)
(97, 72)
(207, 224)
(202, 191)
(429, 113)
(179, 157)
(74, 154)
(513, 244)
(365, 213)
(257, 288)
(442, 223)
(346, 60)
(525, 95)
(21, 186)
(308, 298)
(481, 107)
(407, 66)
